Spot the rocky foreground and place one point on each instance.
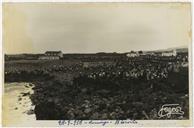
(89, 99)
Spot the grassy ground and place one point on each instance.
(59, 98)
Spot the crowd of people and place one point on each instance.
(133, 88)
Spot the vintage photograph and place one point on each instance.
(96, 62)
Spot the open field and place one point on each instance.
(131, 88)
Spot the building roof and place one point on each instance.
(48, 56)
(168, 51)
(49, 52)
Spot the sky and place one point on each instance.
(94, 27)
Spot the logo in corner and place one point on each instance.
(167, 110)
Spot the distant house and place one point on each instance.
(151, 53)
(169, 53)
(132, 54)
(51, 55)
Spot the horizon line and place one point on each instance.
(98, 52)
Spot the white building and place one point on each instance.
(132, 54)
(51, 55)
(169, 53)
